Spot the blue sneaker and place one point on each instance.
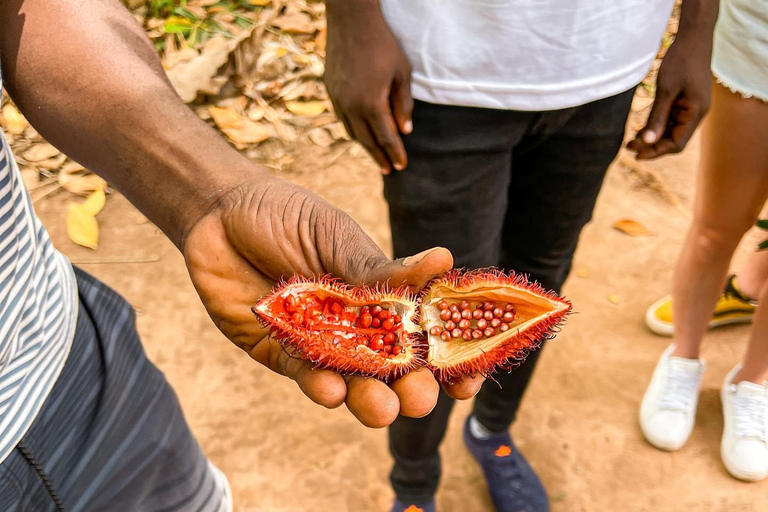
(402, 507)
(513, 484)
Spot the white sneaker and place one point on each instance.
(669, 406)
(744, 447)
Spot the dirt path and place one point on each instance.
(578, 424)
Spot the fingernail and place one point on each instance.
(649, 137)
(399, 167)
(408, 127)
(416, 258)
(385, 170)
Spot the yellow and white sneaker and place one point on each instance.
(733, 307)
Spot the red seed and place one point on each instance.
(382, 353)
(365, 309)
(445, 315)
(377, 342)
(376, 323)
(456, 316)
(449, 325)
(498, 312)
(508, 316)
(504, 327)
(362, 340)
(297, 318)
(454, 307)
(384, 314)
(375, 310)
(389, 339)
(396, 350)
(388, 324)
(436, 330)
(365, 320)
(388, 349)
(397, 318)
(445, 336)
(489, 331)
(466, 313)
(509, 307)
(495, 322)
(480, 305)
(477, 314)
(336, 308)
(488, 315)
(464, 305)
(488, 306)
(482, 323)
(477, 334)
(291, 302)
(456, 333)
(467, 335)
(443, 304)
(464, 323)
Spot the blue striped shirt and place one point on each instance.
(38, 308)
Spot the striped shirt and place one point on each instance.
(38, 308)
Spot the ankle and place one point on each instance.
(746, 374)
(685, 352)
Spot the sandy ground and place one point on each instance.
(578, 424)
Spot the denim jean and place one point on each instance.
(498, 188)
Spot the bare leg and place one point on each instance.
(733, 185)
(754, 274)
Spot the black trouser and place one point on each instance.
(505, 188)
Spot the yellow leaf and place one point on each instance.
(15, 123)
(305, 108)
(613, 299)
(82, 227)
(95, 202)
(631, 227)
(582, 272)
(260, 3)
(40, 152)
(238, 128)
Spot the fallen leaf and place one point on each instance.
(320, 137)
(259, 3)
(95, 202)
(40, 152)
(613, 299)
(15, 122)
(198, 74)
(203, 3)
(52, 163)
(338, 131)
(30, 176)
(296, 23)
(82, 227)
(631, 227)
(75, 179)
(582, 272)
(238, 128)
(305, 108)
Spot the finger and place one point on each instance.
(384, 129)
(371, 401)
(416, 270)
(363, 135)
(323, 387)
(402, 103)
(465, 387)
(658, 118)
(663, 147)
(417, 393)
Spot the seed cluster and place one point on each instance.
(472, 320)
(374, 326)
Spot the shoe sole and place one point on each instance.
(667, 329)
(734, 471)
(667, 447)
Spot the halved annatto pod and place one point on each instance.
(463, 323)
(479, 320)
(356, 330)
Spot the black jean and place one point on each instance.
(503, 188)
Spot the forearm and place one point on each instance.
(697, 20)
(88, 79)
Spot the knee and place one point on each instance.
(710, 241)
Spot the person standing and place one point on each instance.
(520, 106)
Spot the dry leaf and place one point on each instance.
(238, 128)
(320, 137)
(305, 108)
(40, 152)
(74, 179)
(52, 163)
(15, 122)
(95, 202)
(631, 227)
(260, 3)
(197, 74)
(203, 3)
(296, 23)
(338, 131)
(613, 299)
(30, 176)
(82, 227)
(582, 272)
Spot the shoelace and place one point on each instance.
(751, 418)
(679, 391)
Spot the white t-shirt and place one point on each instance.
(526, 54)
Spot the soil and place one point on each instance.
(577, 426)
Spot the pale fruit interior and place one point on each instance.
(339, 321)
(529, 308)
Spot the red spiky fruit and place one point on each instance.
(517, 315)
(357, 330)
(472, 321)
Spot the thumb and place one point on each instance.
(657, 119)
(416, 270)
